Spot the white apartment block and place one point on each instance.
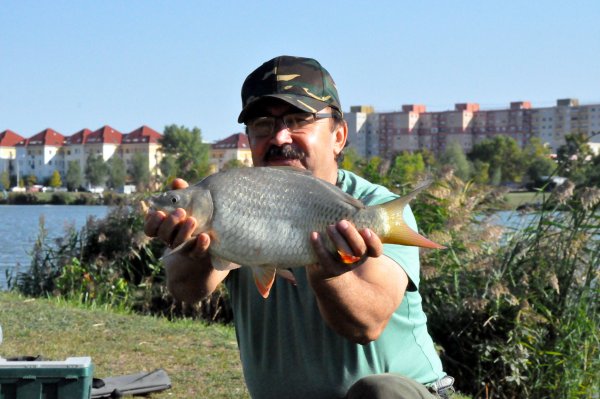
(49, 151)
(386, 134)
(235, 147)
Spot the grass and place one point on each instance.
(516, 199)
(201, 360)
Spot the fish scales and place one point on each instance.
(270, 216)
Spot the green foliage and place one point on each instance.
(232, 164)
(96, 170)
(455, 156)
(575, 158)
(538, 161)
(5, 180)
(30, 180)
(74, 180)
(55, 180)
(515, 313)
(504, 156)
(184, 149)
(407, 168)
(116, 172)
(110, 262)
(139, 171)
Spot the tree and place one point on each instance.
(30, 180)
(116, 172)
(73, 177)
(232, 164)
(371, 171)
(575, 157)
(455, 157)
(191, 155)
(96, 170)
(55, 180)
(538, 161)
(5, 180)
(406, 169)
(504, 156)
(139, 170)
(481, 172)
(351, 161)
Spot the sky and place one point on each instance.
(69, 65)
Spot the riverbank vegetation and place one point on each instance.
(516, 313)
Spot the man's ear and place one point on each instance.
(340, 135)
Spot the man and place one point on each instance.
(344, 330)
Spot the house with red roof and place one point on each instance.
(8, 151)
(232, 148)
(41, 154)
(143, 140)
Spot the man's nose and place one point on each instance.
(282, 134)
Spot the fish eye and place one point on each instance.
(175, 199)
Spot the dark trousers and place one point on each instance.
(389, 386)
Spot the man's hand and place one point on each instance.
(190, 275)
(357, 299)
(349, 242)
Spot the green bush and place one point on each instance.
(517, 314)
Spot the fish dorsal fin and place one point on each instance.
(264, 278)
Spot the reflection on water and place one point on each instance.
(19, 228)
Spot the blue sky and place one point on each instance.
(70, 65)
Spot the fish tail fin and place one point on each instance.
(399, 232)
(264, 278)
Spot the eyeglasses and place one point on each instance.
(297, 123)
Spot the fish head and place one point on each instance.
(171, 200)
(197, 202)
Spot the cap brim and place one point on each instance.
(303, 103)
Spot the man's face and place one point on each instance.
(314, 150)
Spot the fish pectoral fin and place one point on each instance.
(288, 275)
(264, 278)
(184, 246)
(222, 264)
(348, 258)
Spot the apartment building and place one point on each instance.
(234, 147)
(385, 134)
(48, 150)
(8, 152)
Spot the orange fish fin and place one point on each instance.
(399, 232)
(264, 278)
(348, 258)
(288, 275)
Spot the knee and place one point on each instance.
(387, 386)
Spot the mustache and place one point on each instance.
(286, 152)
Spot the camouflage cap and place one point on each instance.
(301, 82)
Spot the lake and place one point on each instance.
(19, 228)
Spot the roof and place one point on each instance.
(143, 134)
(8, 138)
(78, 138)
(235, 141)
(105, 135)
(45, 137)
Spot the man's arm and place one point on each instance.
(356, 301)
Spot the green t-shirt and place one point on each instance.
(287, 349)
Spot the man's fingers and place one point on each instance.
(167, 230)
(179, 184)
(347, 239)
(184, 232)
(373, 243)
(152, 222)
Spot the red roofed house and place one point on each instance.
(8, 151)
(41, 154)
(234, 147)
(75, 148)
(142, 140)
(103, 142)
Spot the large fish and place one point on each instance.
(262, 217)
